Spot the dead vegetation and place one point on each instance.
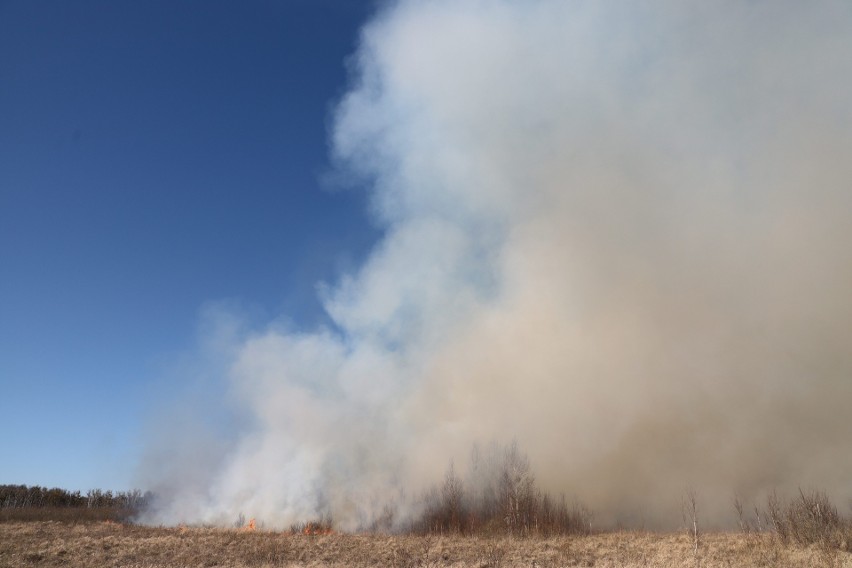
(34, 503)
(66, 514)
(497, 496)
(493, 517)
(809, 519)
(88, 544)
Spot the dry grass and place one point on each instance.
(114, 544)
(65, 514)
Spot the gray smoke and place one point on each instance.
(619, 233)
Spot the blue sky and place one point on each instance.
(154, 157)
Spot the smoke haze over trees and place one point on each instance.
(618, 233)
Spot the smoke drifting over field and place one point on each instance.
(620, 233)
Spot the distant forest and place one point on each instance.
(26, 497)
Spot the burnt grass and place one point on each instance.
(91, 543)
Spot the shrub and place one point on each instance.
(809, 519)
(498, 496)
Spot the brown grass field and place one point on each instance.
(108, 543)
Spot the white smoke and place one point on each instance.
(620, 233)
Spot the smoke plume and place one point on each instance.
(618, 233)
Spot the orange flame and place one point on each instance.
(316, 529)
(250, 526)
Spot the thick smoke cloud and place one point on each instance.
(618, 233)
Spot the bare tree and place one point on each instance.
(689, 510)
(452, 494)
(516, 489)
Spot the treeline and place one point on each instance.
(498, 495)
(35, 497)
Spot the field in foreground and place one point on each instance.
(49, 543)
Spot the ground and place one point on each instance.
(95, 544)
